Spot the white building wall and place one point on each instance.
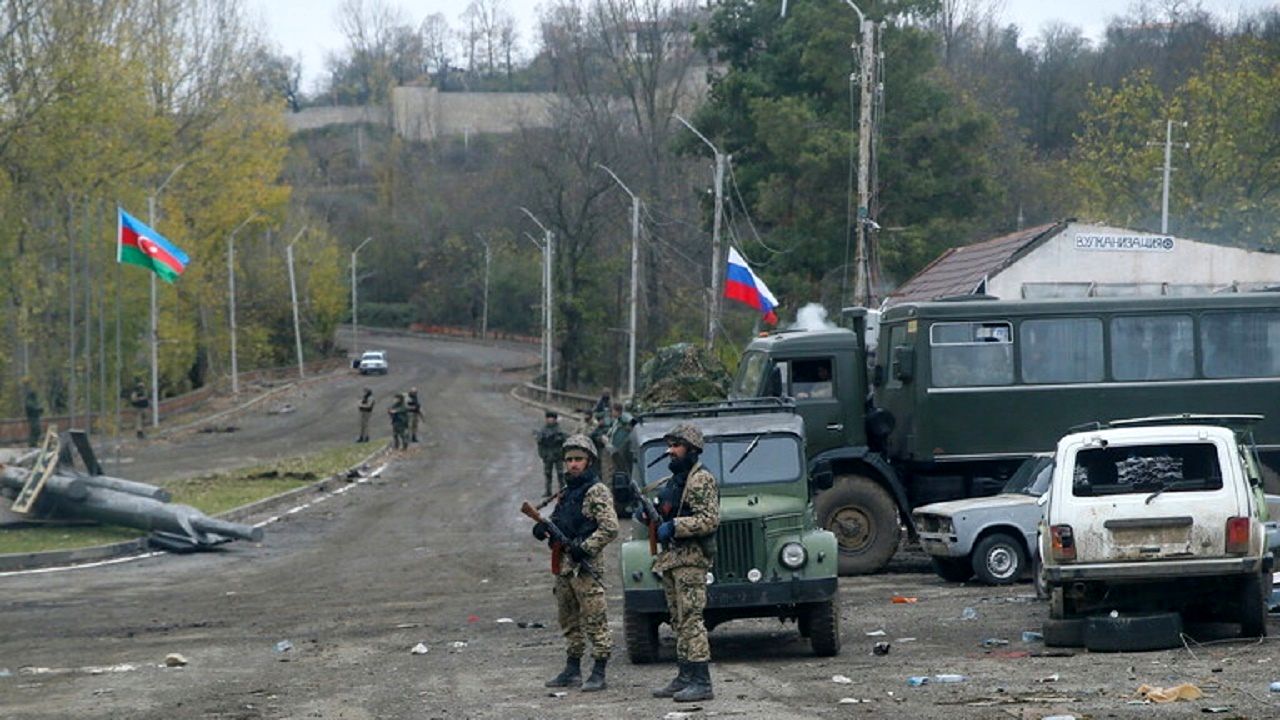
(1126, 262)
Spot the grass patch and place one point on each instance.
(211, 494)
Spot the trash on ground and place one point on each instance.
(559, 694)
(851, 701)
(4, 672)
(841, 679)
(875, 633)
(968, 614)
(504, 620)
(994, 642)
(676, 715)
(1185, 691)
(1216, 709)
(906, 639)
(1031, 636)
(918, 680)
(1059, 717)
(174, 660)
(904, 600)
(420, 649)
(1275, 686)
(473, 618)
(1050, 678)
(284, 646)
(458, 644)
(407, 626)
(284, 409)
(880, 648)
(949, 678)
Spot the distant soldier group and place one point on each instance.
(405, 412)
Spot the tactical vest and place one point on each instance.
(671, 506)
(568, 515)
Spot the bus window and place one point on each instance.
(968, 354)
(1240, 344)
(1156, 347)
(1061, 350)
(811, 378)
(897, 336)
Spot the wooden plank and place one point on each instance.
(43, 467)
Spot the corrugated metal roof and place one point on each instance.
(958, 271)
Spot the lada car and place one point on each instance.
(373, 361)
(993, 537)
(1155, 516)
(772, 560)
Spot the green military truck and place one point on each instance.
(958, 393)
(772, 560)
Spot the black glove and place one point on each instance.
(540, 531)
(578, 553)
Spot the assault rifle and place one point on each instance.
(559, 540)
(651, 512)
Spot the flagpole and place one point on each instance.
(155, 333)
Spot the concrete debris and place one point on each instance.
(174, 660)
(284, 646)
(841, 679)
(420, 649)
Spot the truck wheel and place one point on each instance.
(1039, 579)
(1254, 594)
(865, 521)
(824, 628)
(952, 569)
(1133, 633)
(1063, 633)
(999, 559)
(641, 630)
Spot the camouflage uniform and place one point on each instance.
(366, 412)
(550, 448)
(586, 516)
(31, 404)
(399, 412)
(415, 412)
(140, 402)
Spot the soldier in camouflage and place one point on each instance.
(550, 448)
(586, 516)
(366, 412)
(689, 503)
(399, 412)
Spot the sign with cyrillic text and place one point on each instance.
(1124, 243)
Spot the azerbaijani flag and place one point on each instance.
(743, 285)
(140, 245)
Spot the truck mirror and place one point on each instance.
(904, 362)
(822, 479)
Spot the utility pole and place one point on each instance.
(635, 283)
(231, 293)
(355, 318)
(155, 323)
(548, 315)
(293, 293)
(1168, 158)
(717, 269)
(484, 313)
(862, 282)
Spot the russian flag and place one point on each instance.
(742, 285)
(140, 245)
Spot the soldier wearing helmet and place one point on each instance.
(366, 412)
(586, 516)
(399, 412)
(689, 503)
(551, 449)
(415, 413)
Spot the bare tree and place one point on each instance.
(437, 46)
(370, 28)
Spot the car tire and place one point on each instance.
(641, 631)
(998, 559)
(1133, 633)
(1063, 633)
(865, 520)
(1254, 597)
(824, 628)
(952, 569)
(1039, 579)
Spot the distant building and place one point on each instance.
(1074, 259)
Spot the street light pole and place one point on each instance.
(155, 322)
(231, 292)
(548, 257)
(542, 249)
(713, 316)
(293, 292)
(355, 318)
(484, 315)
(635, 283)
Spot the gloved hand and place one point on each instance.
(640, 515)
(667, 531)
(540, 531)
(578, 553)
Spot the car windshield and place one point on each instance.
(1031, 478)
(1173, 468)
(372, 356)
(774, 458)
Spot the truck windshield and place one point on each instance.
(750, 375)
(1146, 469)
(776, 458)
(1031, 478)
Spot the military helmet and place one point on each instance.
(583, 443)
(687, 434)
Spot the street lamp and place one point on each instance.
(484, 316)
(545, 247)
(293, 292)
(713, 316)
(155, 324)
(635, 285)
(231, 292)
(355, 318)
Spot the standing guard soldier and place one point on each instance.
(31, 404)
(399, 412)
(415, 413)
(689, 503)
(140, 401)
(551, 449)
(586, 516)
(366, 413)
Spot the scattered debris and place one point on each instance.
(458, 644)
(283, 409)
(875, 633)
(918, 680)
(676, 715)
(968, 614)
(1185, 691)
(1031, 636)
(905, 639)
(994, 642)
(408, 626)
(174, 660)
(880, 648)
(841, 679)
(1216, 709)
(949, 678)
(851, 701)
(284, 646)
(504, 620)
(1050, 678)
(559, 694)
(420, 649)
(903, 600)
(473, 618)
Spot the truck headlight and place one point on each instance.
(793, 556)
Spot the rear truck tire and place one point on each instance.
(1133, 633)
(952, 569)
(641, 631)
(1254, 596)
(865, 521)
(1063, 632)
(998, 559)
(824, 628)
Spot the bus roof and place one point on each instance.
(981, 307)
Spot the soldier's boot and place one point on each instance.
(571, 674)
(596, 680)
(678, 683)
(699, 687)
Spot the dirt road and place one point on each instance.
(433, 551)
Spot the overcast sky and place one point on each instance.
(307, 28)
